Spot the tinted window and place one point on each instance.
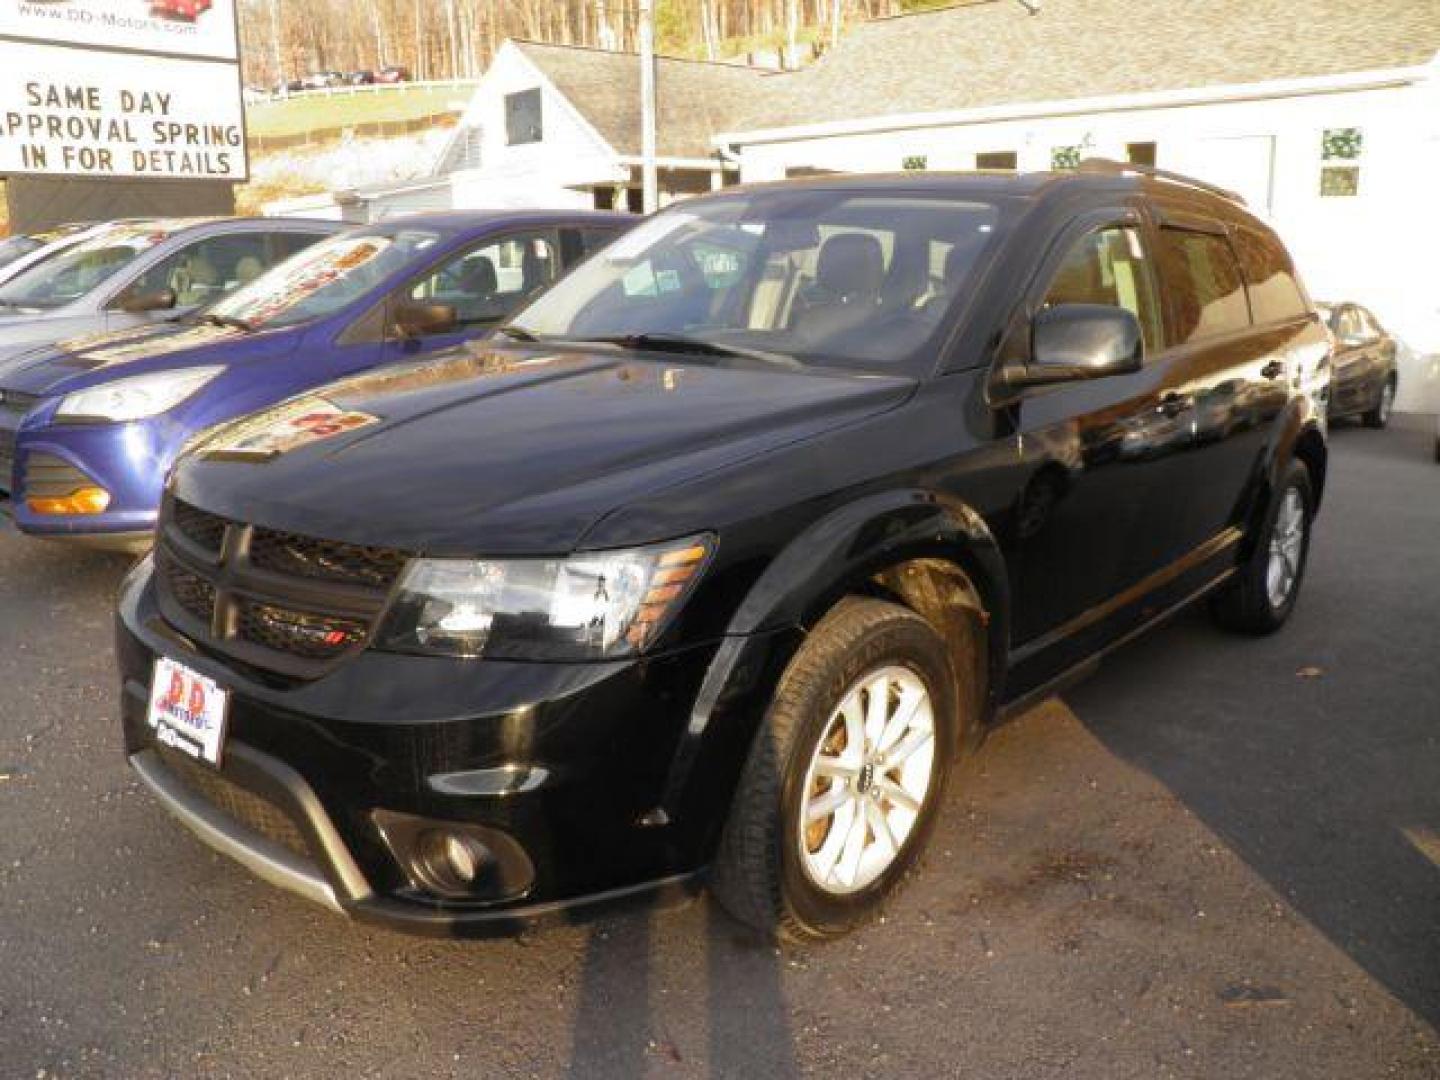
(1274, 292)
(485, 283)
(1202, 279)
(206, 270)
(577, 244)
(830, 277)
(523, 122)
(1108, 266)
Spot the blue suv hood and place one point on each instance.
(84, 361)
(496, 450)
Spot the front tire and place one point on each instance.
(1266, 586)
(1379, 416)
(845, 777)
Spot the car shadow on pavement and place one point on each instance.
(621, 1025)
(1314, 754)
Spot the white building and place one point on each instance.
(1323, 114)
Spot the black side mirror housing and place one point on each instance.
(418, 320)
(139, 303)
(1071, 342)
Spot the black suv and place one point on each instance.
(716, 558)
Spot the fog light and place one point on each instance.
(465, 856)
(456, 860)
(85, 500)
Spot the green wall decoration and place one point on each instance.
(1342, 144)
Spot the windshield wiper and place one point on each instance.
(680, 343)
(231, 322)
(516, 333)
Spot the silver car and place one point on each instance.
(134, 272)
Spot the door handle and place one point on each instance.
(1273, 370)
(1173, 404)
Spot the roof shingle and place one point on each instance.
(696, 100)
(993, 53)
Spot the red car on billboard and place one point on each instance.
(186, 10)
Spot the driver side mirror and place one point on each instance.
(419, 320)
(138, 303)
(1071, 342)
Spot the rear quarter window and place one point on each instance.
(1275, 294)
(1202, 278)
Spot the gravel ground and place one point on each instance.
(1216, 858)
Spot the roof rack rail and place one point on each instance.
(1106, 165)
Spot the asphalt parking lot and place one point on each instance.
(1216, 858)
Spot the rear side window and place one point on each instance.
(1108, 266)
(1202, 278)
(1270, 276)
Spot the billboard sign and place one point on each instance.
(76, 112)
(198, 28)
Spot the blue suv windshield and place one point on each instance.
(828, 277)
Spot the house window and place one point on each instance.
(915, 163)
(523, 122)
(1339, 181)
(1140, 153)
(998, 160)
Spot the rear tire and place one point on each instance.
(845, 777)
(1379, 416)
(1263, 592)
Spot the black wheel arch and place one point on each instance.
(925, 551)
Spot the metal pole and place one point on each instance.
(650, 179)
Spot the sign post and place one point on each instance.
(112, 108)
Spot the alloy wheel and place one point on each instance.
(867, 781)
(1287, 541)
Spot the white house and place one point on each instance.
(1323, 114)
(559, 125)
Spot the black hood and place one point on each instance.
(509, 450)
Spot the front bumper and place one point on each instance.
(128, 460)
(570, 761)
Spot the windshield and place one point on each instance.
(322, 279)
(69, 276)
(828, 277)
(15, 247)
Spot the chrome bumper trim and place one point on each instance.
(262, 857)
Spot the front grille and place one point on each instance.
(275, 601)
(13, 407)
(206, 530)
(325, 560)
(253, 811)
(314, 637)
(191, 591)
(46, 476)
(7, 459)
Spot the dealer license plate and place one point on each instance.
(188, 711)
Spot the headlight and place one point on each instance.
(585, 607)
(137, 397)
